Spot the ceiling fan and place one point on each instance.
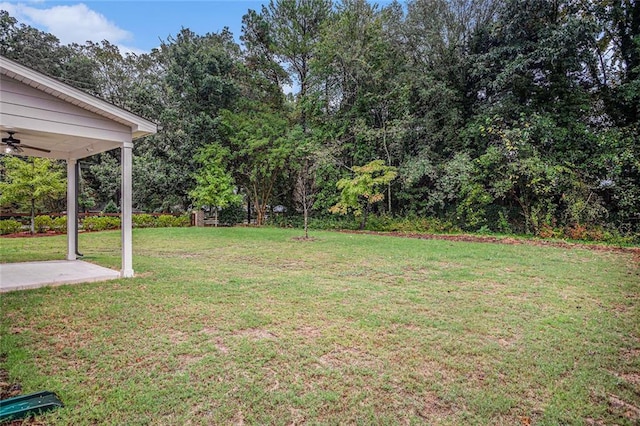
(13, 145)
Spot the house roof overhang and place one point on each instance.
(63, 139)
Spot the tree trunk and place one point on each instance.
(260, 212)
(386, 150)
(32, 225)
(305, 199)
(365, 214)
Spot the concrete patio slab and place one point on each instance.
(27, 275)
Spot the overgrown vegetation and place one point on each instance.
(500, 116)
(255, 325)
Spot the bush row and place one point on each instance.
(10, 226)
(162, 221)
(45, 223)
(587, 233)
(101, 223)
(376, 223)
(414, 224)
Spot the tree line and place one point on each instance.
(510, 116)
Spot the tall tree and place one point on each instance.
(28, 45)
(287, 30)
(357, 75)
(42, 52)
(533, 60)
(618, 66)
(266, 77)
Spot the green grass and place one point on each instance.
(242, 325)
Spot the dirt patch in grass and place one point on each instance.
(434, 409)
(177, 336)
(304, 239)
(309, 332)
(256, 334)
(341, 357)
(293, 265)
(186, 360)
(211, 331)
(8, 389)
(218, 342)
(221, 346)
(632, 378)
(17, 330)
(623, 409)
(628, 355)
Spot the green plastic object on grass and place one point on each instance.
(25, 405)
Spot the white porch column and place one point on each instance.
(126, 207)
(72, 214)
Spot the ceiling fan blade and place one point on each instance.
(35, 148)
(10, 139)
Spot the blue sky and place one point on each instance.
(134, 26)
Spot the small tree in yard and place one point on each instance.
(308, 157)
(214, 186)
(29, 184)
(304, 190)
(364, 189)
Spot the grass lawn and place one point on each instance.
(242, 325)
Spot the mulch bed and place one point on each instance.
(27, 234)
(507, 240)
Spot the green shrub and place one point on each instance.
(9, 226)
(232, 215)
(285, 221)
(381, 223)
(144, 220)
(385, 223)
(111, 207)
(169, 221)
(334, 223)
(576, 232)
(100, 223)
(165, 221)
(59, 224)
(410, 224)
(43, 223)
(183, 221)
(548, 231)
(616, 238)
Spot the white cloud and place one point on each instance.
(71, 23)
